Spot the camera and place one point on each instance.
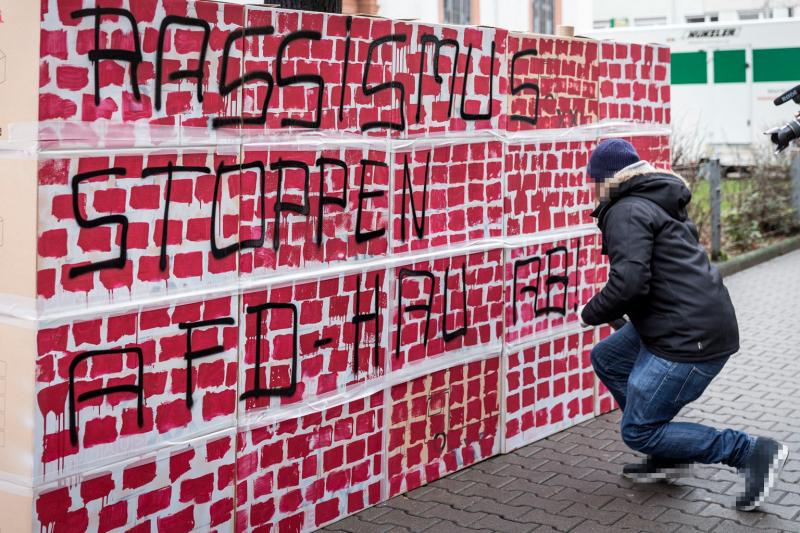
(782, 136)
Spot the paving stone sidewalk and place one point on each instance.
(571, 481)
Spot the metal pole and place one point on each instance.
(715, 196)
(795, 173)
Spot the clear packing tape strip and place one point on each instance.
(25, 140)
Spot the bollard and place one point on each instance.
(795, 175)
(714, 173)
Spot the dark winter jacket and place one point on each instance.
(660, 275)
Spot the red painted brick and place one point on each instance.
(113, 516)
(188, 265)
(100, 431)
(96, 488)
(53, 243)
(151, 502)
(171, 415)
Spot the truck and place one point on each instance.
(725, 76)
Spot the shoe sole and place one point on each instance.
(666, 475)
(778, 462)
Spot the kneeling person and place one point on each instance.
(682, 327)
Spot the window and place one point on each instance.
(457, 11)
(708, 17)
(543, 15)
(750, 14)
(650, 21)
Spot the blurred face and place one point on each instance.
(598, 192)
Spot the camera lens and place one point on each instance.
(786, 134)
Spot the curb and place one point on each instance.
(756, 257)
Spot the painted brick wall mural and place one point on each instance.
(263, 269)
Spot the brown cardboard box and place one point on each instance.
(19, 62)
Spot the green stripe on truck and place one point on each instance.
(730, 66)
(776, 64)
(689, 67)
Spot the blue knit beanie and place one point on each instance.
(611, 156)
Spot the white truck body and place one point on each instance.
(725, 76)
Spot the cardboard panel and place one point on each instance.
(300, 474)
(553, 82)
(147, 63)
(547, 187)
(653, 148)
(311, 338)
(634, 82)
(182, 488)
(303, 254)
(547, 283)
(447, 307)
(120, 226)
(314, 205)
(443, 422)
(550, 386)
(310, 71)
(446, 195)
(19, 67)
(111, 387)
(454, 77)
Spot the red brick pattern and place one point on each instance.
(339, 214)
(634, 82)
(547, 187)
(83, 216)
(553, 82)
(67, 91)
(306, 472)
(547, 283)
(549, 387)
(449, 195)
(443, 422)
(183, 488)
(336, 52)
(465, 96)
(107, 427)
(315, 342)
(367, 289)
(440, 328)
(653, 148)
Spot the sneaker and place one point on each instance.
(761, 472)
(655, 469)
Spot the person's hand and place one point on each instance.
(580, 317)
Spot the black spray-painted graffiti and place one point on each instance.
(448, 335)
(226, 84)
(554, 284)
(516, 89)
(280, 207)
(256, 388)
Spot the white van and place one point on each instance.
(725, 76)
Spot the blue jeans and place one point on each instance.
(651, 390)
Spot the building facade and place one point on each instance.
(540, 16)
(617, 13)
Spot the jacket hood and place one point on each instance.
(662, 187)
